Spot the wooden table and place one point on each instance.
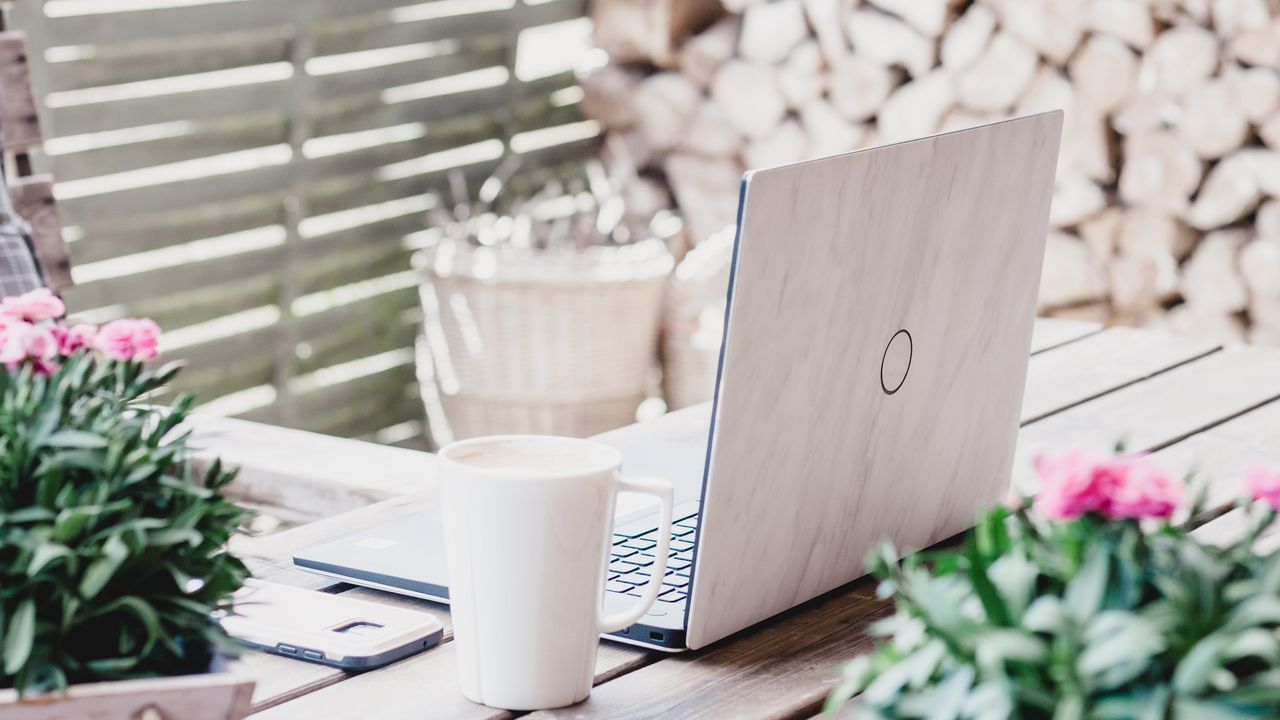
(1188, 401)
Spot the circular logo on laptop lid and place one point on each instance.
(896, 362)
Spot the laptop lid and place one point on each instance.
(876, 345)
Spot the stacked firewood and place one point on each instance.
(1167, 205)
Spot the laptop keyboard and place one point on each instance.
(633, 556)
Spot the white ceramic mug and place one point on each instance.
(528, 533)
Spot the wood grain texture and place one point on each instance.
(1220, 454)
(781, 669)
(1160, 411)
(920, 213)
(1052, 332)
(390, 30)
(201, 141)
(425, 685)
(18, 119)
(280, 679)
(124, 111)
(214, 696)
(168, 57)
(33, 199)
(178, 23)
(1099, 363)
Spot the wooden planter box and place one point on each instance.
(212, 696)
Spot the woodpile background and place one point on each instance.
(1167, 207)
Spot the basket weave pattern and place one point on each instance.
(548, 350)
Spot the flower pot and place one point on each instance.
(208, 696)
(551, 342)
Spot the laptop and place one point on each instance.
(875, 350)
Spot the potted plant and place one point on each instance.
(112, 545)
(1088, 601)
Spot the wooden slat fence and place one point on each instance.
(254, 174)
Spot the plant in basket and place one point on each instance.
(1086, 601)
(112, 545)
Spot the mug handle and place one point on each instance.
(662, 490)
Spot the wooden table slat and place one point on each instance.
(1050, 333)
(1099, 363)
(1158, 411)
(1221, 454)
(425, 686)
(783, 668)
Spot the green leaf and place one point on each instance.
(1070, 707)
(1045, 614)
(1156, 705)
(71, 521)
(150, 621)
(991, 536)
(988, 701)
(115, 549)
(1193, 673)
(100, 571)
(190, 606)
(1256, 694)
(1258, 610)
(913, 669)
(75, 439)
(28, 515)
(1193, 709)
(1084, 594)
(999, 645)
(1254, 642)
(112, 666)
(173, 536)
(1119, 647)
(992, 603)
(944, 701)
(45, 554)
(19, 637)
(1015, 578)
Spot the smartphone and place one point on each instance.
(328, 629)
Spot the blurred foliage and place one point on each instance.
(112, 546)
(1091, 618)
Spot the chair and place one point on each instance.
(32, 251)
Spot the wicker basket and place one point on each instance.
(693, 321)
(551, 342)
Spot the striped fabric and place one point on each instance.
(19, 272)
(19, 268)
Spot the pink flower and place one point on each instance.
(1124, 486)
(128, 339)
(74, 338)
(1140, 488)
(21, 341)
(39, 304)
(1263, 484)
(1069, 487)
(45, 367)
